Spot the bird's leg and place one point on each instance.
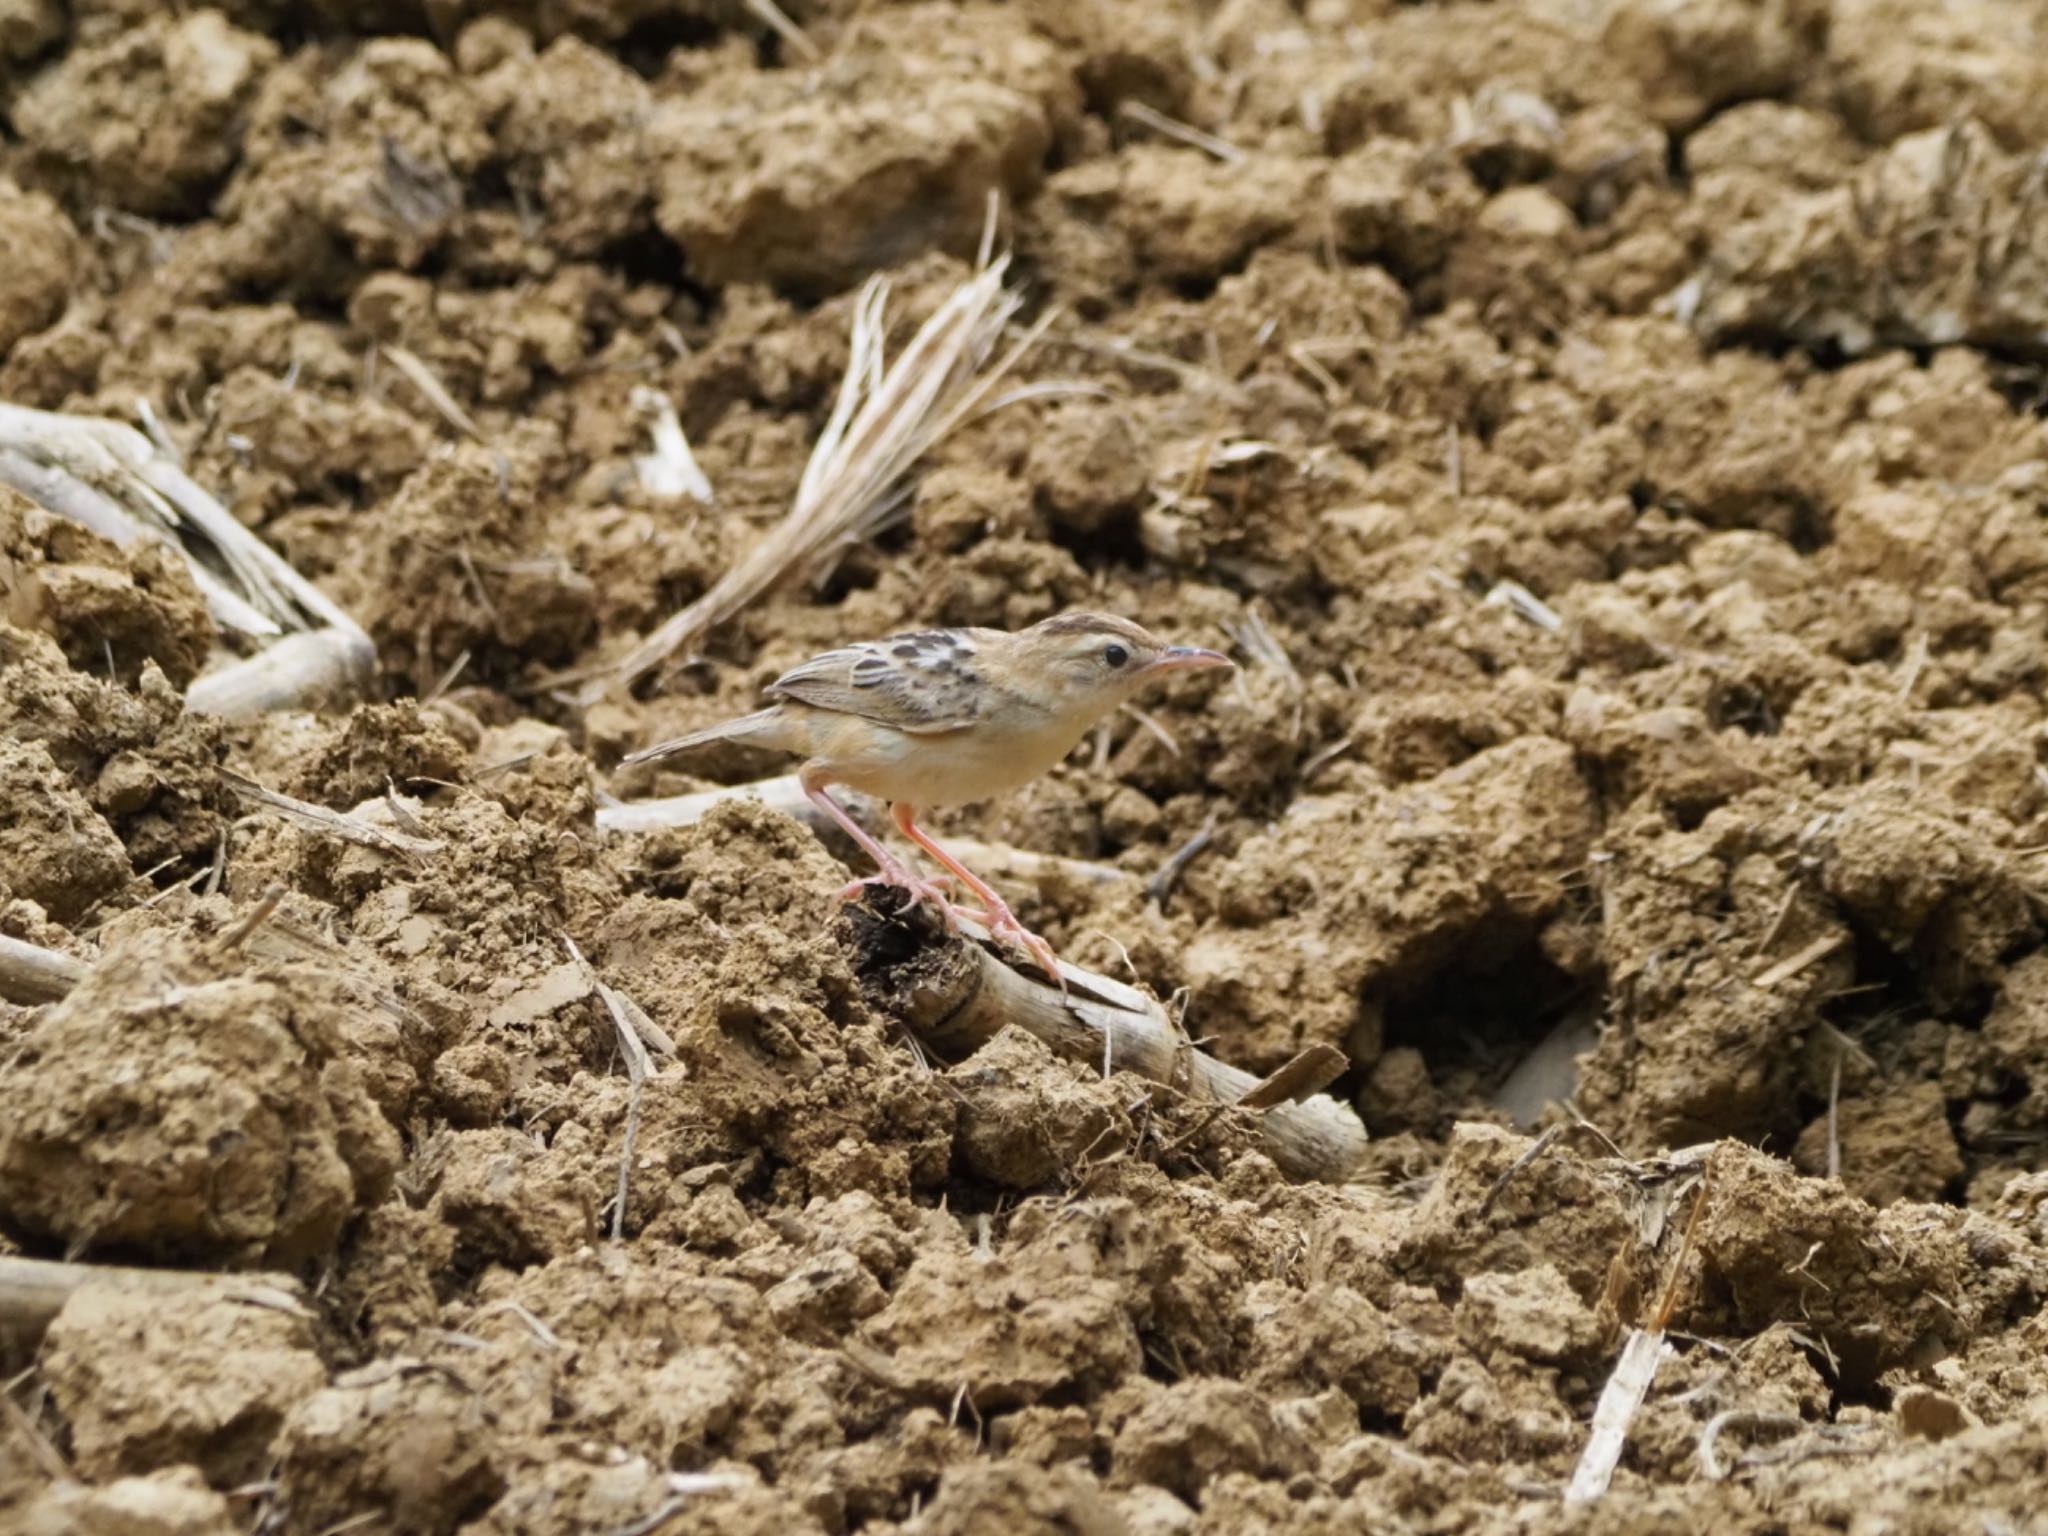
(1001, 921)
(892, 870)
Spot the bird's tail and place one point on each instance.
(762, 726)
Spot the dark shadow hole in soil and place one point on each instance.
(1115, 545)
(1826, 355)
(1810, 531)
(650, 258)
(647, 45)
(1676, 170)
(1474, 1022)
(2022, 382)
(1743, 705)
(1886, 994)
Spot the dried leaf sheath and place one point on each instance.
(885, 418)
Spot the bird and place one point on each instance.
(944, 717)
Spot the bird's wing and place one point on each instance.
(922, 683)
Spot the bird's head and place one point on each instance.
(1097, 660)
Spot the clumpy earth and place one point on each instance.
(1610, 437)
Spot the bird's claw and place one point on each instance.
(999, 920)
(1003, 926)
(915, 888)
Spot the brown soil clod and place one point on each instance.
(1608, 437)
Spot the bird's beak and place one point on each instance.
(1188, 658)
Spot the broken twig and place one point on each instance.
(31, 975)
(317, 818)
(955, 995)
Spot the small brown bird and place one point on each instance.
(945, 716)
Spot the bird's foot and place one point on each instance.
(1003, 926)
(898, 876)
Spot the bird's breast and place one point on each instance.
(977, 762)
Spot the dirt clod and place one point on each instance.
(119, 1364)
(1609, 440)
(180, 1106)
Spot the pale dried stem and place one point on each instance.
(1186, 133)
(117, 482)
(627, 1020)
(956, 996)
(1256, 639)
(1792, 965)
(318, 818)
(111, 464)
(778, 22)
(884, 420)
(31, 975)
(433, 391)
(783, 793)
(1526, 604)
(303, 671)
(33, 1291)
(1620, 1400)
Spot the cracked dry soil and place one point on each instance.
(1719, 329)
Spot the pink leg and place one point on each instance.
(892, 871)
(1002, 922)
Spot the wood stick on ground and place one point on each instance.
(782, 793)
(302, 671)
(32, 1291)
(32, 975)
(955, 996)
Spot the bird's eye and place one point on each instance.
(1115, 655)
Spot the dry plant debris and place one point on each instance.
(1615, 434)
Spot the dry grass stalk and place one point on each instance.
(125, 487)
(317, 818)
(626, 1020)
(1186, 133)
(1160, 887)
(31, 975)
(117, 482)
(1525, 604)
(1629, 1384)
(887, 417)
(433, 391)
(1620, 1400)
(1792, 965)
(41, 1448)
(1799, 1441)
(33, 1291)
(778, 22)
(1256, 639)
